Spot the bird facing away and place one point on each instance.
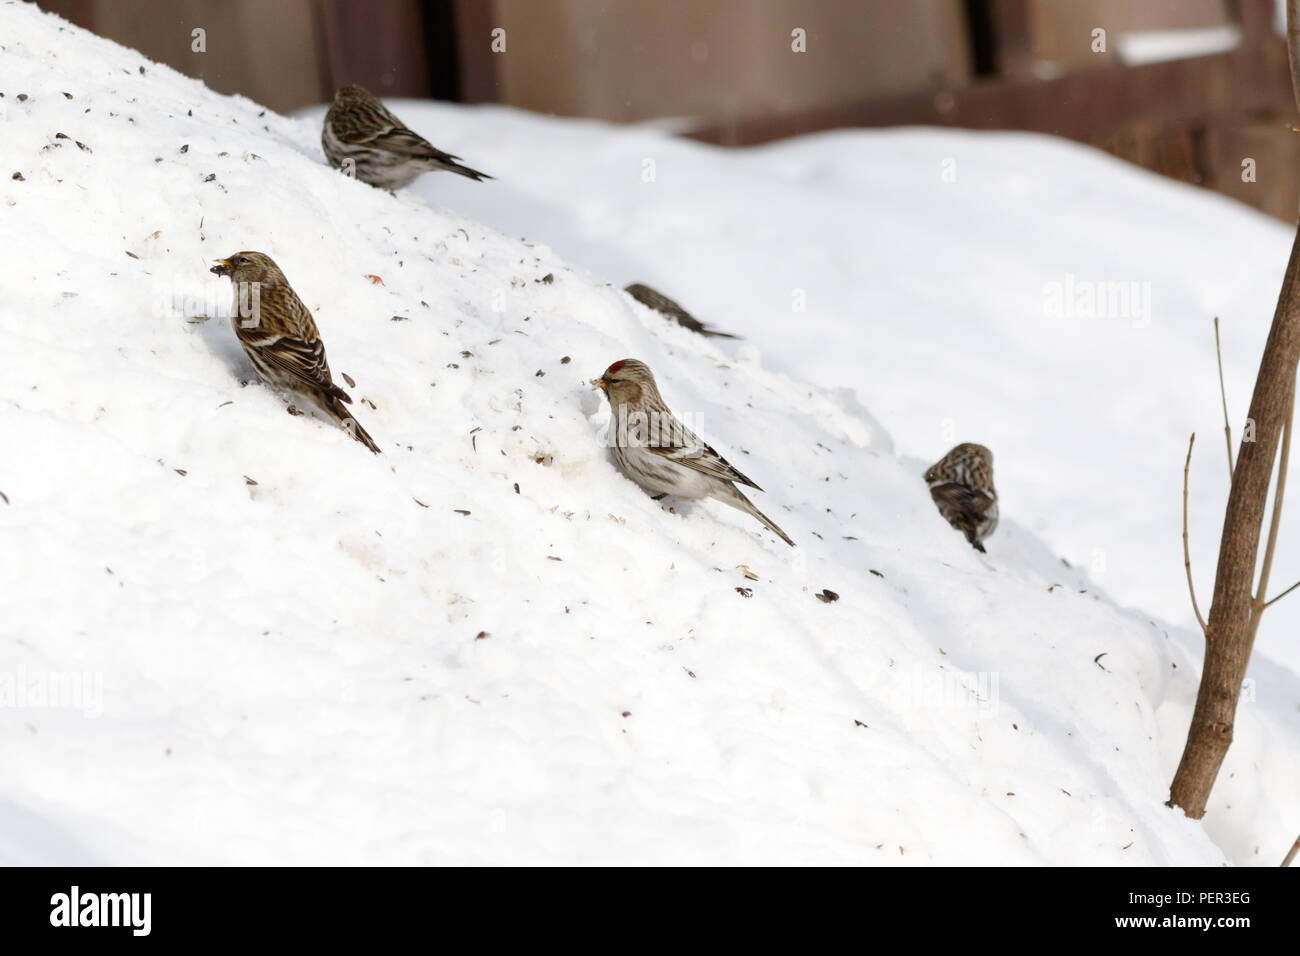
(280, 338)
(666, 306)
(961, 484)
(661, 454)
(382, 151)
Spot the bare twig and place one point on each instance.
(1295, 847)
(1293, 45)
(1187, 557)
(1223, 393)
(1276, 520)
(1283, 594)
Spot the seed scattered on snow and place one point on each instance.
(875, 572)
(460, 511)
(249, 481)
(744, 569)
(826, 596)
(418, 502)
(481, 636)
(185, 148)
(858, 723)
(180, 471)
(348, 378)
(19, 177)
(745, 592)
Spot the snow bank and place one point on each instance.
(486, 645)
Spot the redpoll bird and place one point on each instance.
(280, 338)
(661, 454)
(381, 151)
(961, 484)
(666, 306)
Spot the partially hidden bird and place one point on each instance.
(652, 298)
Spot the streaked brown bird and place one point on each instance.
(361, 133)
(661, 454)
(961, 484)
(666, 306)
(280, 338)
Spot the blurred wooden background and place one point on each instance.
(1189, 88)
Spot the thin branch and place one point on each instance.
(1282, 595)
(1223, 393)
(1276, 520)
(1295, 847)
(1187, 557)
(1293, 46)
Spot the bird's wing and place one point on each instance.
(688, 450)
(966, 500)
(404, 142)
(304, 361)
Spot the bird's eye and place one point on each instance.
(242, 260)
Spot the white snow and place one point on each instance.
(1139, 47)
(334, 664)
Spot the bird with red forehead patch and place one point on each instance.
(279, 337)
(653, 448)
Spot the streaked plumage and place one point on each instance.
(961, 484)
(666, 306)
(661, 454)
(280, 337)
(386, 154)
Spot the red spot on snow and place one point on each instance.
(375, 280)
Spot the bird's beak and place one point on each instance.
(222, 268)
(599, 383)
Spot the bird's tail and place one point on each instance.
(737, 500)
(714, 334)
(452, 166)
(336, 410)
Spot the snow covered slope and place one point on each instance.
(935, 266)
(486, 645)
